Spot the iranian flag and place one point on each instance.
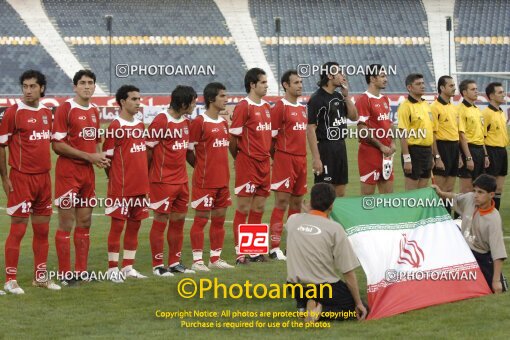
(412, 252)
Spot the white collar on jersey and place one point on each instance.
(172, 119)
(210, 120)
(124, 122)
(23, 106)
(286, 102)
(76, 105)
(372, 96)
(251, 102)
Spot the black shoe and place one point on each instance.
(259, 258)
(180, 269)
(241, 261)
(70, 283)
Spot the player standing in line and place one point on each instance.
(250, 145)
(128, 182)
(26, 130)
(288, 122)
(374, 122)
(471, 135)
(76, 141)
(445, 148)
(210, 193)
(167, 153)
(496, 139)
(328, 111)
(415, 122)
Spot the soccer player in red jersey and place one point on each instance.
(288, 122)
(375, 123)
(167, 151)
(76, 141)
(250, 144)
(128, 182)
(210, 193)
(26, 130)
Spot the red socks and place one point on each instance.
(255, 217)
(63, 245)
(197, 237)
(130, 242)
(40, 247)
(239, 218)
(12, 244)
(81, 248)
(174, 237)
(276, 227)
(157, 240)
(116, 228)
(292, 212)
(216, 237)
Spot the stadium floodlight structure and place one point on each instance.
(277, 28)
(109, 20)
(449, 29)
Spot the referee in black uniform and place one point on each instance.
(328, 111)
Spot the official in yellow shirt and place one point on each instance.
(471, 136)
(496, 139)
(445, 122)
(415, 122)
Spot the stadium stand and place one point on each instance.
(482, 38)
(350, 33)
(19, 51)
(164, 33)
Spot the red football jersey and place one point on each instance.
(78, 126)
(209, 139)
(252, 122)
(169, 139)
(375, 113)
(26, 131)
(288, 122)
(128, 174)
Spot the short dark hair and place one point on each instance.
(122, 92)
(81, 73)
(252, 76)
(485, 182)
(326, 71)
(464, 85)
(442, 82)
(491, 88)
(412, 77)
(182, 97)
(373, 70)
(286, 77)
(39, 78)
(212, 90)
(322, 196)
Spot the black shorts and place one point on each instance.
(498, 161)
(449, 152)
(341, 301)
(478, 155)
(421, 160)
(334, 160)
(487, 267)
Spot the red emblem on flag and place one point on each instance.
(410, 252)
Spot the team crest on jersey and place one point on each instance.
(386, 106)
(45, 119)
(186, 131)
(94, 118)
(430, 115)
(268, 115)
(481, 120)
(304, 114)
(225, 130)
